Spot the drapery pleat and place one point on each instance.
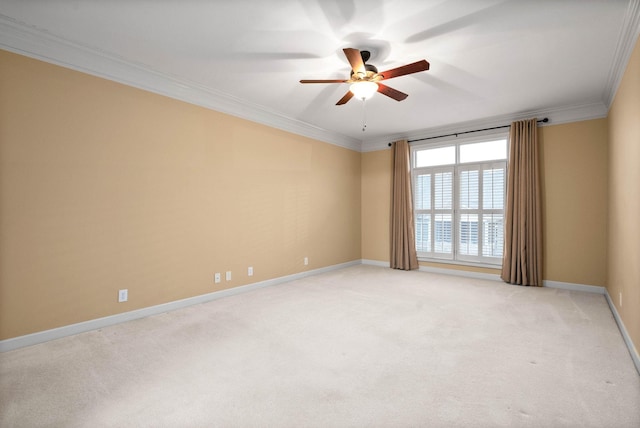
(522, 259)
(403, 247)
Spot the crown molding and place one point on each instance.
(557, 115)
(39, 44)
(35, 43)
(629, 33)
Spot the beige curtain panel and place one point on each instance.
(403, 246)
(522, 260)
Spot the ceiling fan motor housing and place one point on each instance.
(371, 71)
(371, 68)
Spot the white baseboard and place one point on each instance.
(464, 273)
(374, 263)
(69, 330)
(81, 327)
(444, 271)
(546, 283)
(602, 290)
(574, 287)
(623, 330)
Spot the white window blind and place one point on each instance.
(459, 195)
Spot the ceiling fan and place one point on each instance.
(365, 79)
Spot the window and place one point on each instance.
(459, 198)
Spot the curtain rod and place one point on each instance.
(545, 120)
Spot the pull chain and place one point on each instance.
(364, 115)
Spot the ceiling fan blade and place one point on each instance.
(323, 81)
(355, 59)
(391, 93)
(405, 69)
(345, 99)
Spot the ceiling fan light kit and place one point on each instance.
(364, 89)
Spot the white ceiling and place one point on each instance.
(491, 60)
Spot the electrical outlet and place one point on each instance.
(306, 261)
(216, 278)
(123, 295)
(250, 271)
(228, 275)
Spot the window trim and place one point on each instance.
(455, 258)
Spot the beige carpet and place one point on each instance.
(362, 346)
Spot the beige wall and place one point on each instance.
(103, 186)
(624, 199)
(376, 204)
(574, 165)
(574, 198)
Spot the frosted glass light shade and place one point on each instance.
(363, 90)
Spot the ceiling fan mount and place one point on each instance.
(370, 69)
(362, 72)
